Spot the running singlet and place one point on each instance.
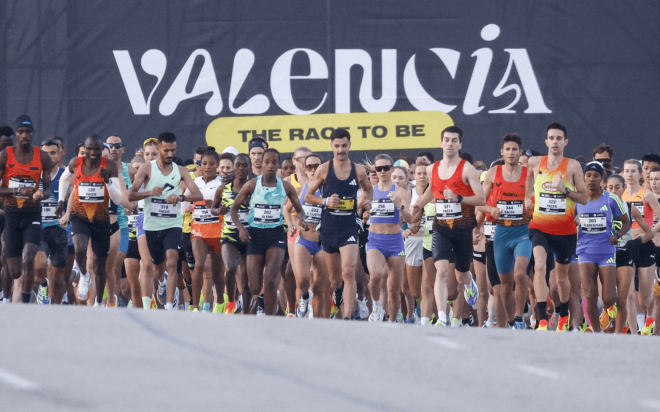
(427, 219)
(48, 206)
(229, 230)
(596, 219)
(313, 212)
(553, 211)
(637, 200)
(346, 212)
(510, 199)
(382, 208)
(158, 214)
(266, 205)
(18, 175)
(204, 224)
(122, 219)
(296, 184)
(90, 196)
(617, 224)
(452, 214)
(489, 222)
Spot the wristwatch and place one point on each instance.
(183, 198)
(568, 191)
(459, 198)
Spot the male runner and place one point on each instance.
(6, 139)
(95, 183)
(456, 188)
(54, 237)
(256, 149)
(554, 184)
(162, 217)
(649, 161)
(340, 181)
(604, 154)
(21, 167)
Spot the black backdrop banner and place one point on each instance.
(394, 72)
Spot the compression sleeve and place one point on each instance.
(65, 179)
(114, 190)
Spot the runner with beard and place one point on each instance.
(6, 140)
(256, 149)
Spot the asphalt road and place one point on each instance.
(61, 358)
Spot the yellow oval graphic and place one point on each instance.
(369, 131)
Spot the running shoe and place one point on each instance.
(260, 311)
(563, 323)
(418, 309)
(377, 314)
(120, 302)
(553, 321)
(440, 322)
(471, 293)
(612, 311)
(195, 310)
(489, 323)
(648, 327)
(42, 294)
(220, 307)
(519, 325)
(455, 323)
(399, 317)
(98, 304)
(230, 309)
(130, 304)
(83, 287)
(302, 311)
(363, 309)
(239, 304)
(410, 321)
(154, 305)
(175, 302)
(605, 319)
(162, 289)
(334, 310)
(656, 288)
(543, 325)
(338, 296)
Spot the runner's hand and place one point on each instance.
(395, 199)
(291, 231)
(244, 235)
(208, 203)
(103, 174)
(333, 201)
(38, 195)
(64, 220)
(156, 191)
(173, 199)
(647, 237)
(558, 183)
(614, 240)
(529, 205)
(406, 233)
(26, 191)
(414, 228)
(59, 209)
(223, 209)
(449, 195)
(303, 225)
(495, 212)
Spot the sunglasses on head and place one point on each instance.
(312, 166)
(149, 140)
(115, 145)
(50, 142)
(299, 159)
(383, 168)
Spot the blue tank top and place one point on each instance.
(48, 206)
(266, 205)
(346, 213)
(382, 208)
(596, 219)
(313, 212)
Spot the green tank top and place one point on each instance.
(159, 215)
(427, 221)
(266, 205)
(122, 219)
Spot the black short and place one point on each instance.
(427, 254)
(456, 242)
(186, 252)
(2, 223)
(114, 227)
(97, 232)
(54, 243)
(263, 239)
(123, 271)
(563, 246)
(624, 255)
(160, 241)
(644, 255)
(133, 249)
(332, 239)
(479, 256)
(491, 268)
(240, 246)
(22, 227)
(71, 250)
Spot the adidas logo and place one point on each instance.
(351, 239)
(603, 208)
(611, 260)
(353, 183)
(402, 253)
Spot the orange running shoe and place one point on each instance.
(563, 323)
(648, 327)
(543, 325)
(604, 320)
(230, 309)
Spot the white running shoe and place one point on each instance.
(98, 304)
(363, 310)
(377, 314)
(490, 322)
(162, 290)
(303, 306)
(83, 286)
(43, 298)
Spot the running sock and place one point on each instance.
(425, 321)
(65, 298)
(44, 285)
(25, 297)
(641, 318)
(306, 295)
(206, 306)
(542, 307)
(261, 302)
(376, 304)
(563, 309)
(442, 317)
(467, 321)
(146, 302)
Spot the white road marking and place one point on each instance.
(650, 404)
(449, 344)
(544, 373)
(17, 381)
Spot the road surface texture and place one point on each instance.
(62, 358)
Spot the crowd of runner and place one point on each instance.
(534, 242)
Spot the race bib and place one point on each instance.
(242, 217)
(344, 208)
(639, 206)
(552, 204)
(203, 216)
(489, 230)
(91, 192)
(162, 210)
(444, 209)
(313, 213)
(429, 223)
(267, 214)
(48, 211)
(593, 223)
(511, 209)
(15, 182)
(132, 221)
(382, 208)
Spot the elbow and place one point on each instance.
(480, 200)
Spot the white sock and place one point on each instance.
(169, 306)
(146, 302)
(376, 304)
(641, 318)
(442, 316)
(425, 321)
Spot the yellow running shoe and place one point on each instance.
(195, 310)
(612, 311)
(154, 305)
(219, 307)
(648, 327)
(334, 310)
(563, 323)
(543, 325)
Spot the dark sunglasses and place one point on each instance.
(198, 162)
(50, 142)
(383, 168)
(604, 160)
(311, 167)
(115, 145)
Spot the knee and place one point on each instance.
(271, 284)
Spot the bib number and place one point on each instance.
(382, 208)
(445, 210)
(345, 207)
(511, 209)
(593, 223)
(489, 230)
(91, 192)
(15, 182)
(48, 211)
(132, 221)
(203, 215)
(267, 214)
(639, 206)
(313, 213)
(242, 217)
(552, 204)
(162, 210)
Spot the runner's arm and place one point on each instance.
(246, 191)
(403, 199)
(217, 200)
(113, 182)
(195, 194)
(487, 188)
(418, 208)
(65, 179)
(367, 189)
(142, 174)
(313, 185)
(293, 198)
(47, 166)
(472, 177)
(579, 195)
(652, 201)
(529, 183)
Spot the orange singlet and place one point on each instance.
(21, 175)
(449, 214)
(91, 198)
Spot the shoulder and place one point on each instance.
(491, 173)
(534, 161)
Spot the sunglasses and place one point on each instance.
(383, 168)
(311, 167)
(115, 145)
(198, 162)
(604, 160)
(299, 159)
(149, 140)
(50, 142)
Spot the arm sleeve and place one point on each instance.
(114, 190)
(63, 185)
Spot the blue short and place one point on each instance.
(140, 225)
(511, 242)
(310, 245)
(389, 245)
(599, 258)
(123, 243)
